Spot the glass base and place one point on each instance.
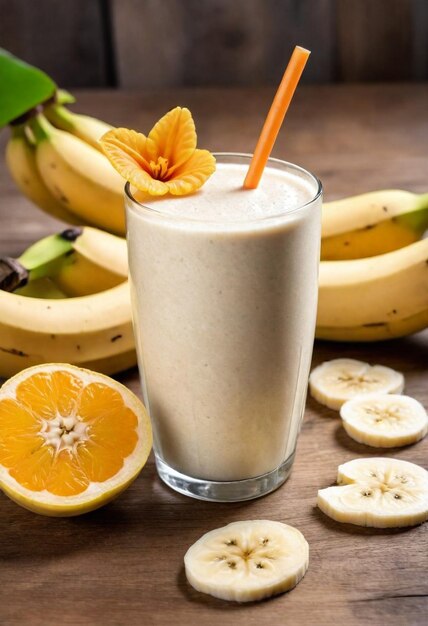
(224, 491)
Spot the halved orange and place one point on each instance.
(70, 439)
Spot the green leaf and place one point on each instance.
(22, 87)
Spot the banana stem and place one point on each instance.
(60, 117)
(12, 274)
(40, 128)
(20, 131)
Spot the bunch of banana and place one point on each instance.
(374, 298)
(372, 223)
(373, 274)
(80, 309)
(60, 167)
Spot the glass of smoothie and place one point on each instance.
(224, 292)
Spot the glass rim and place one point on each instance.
(241, 155)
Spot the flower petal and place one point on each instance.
(175, 136)
(124, 147)
(166, 161)
(192, 174)
(130, 154)
(144, 182)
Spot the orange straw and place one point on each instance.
(276, 115)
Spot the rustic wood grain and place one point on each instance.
(374, 39)
(166, 43)
(244, 42)
(65, 39)
(123, 563)
(419, 37)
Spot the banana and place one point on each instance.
(92, 331)
(334, 382)
(375, 298)
(377, 492)
(79, 177)
(384, 421)
(42, 259)
(99, 262)
(41, 288)
(372, 223)
(86, 128)
(247, 561)
(21, 161)
(78, 262)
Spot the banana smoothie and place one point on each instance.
(224, 290)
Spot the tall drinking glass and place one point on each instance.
(224, 295)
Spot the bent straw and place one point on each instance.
(276, 115)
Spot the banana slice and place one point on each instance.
(246, 561)
(384, 420)
(334, 382)
(378, 492)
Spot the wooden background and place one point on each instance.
(167, 43)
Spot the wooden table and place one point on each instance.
(123, 564)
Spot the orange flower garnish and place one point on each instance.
(167, 161)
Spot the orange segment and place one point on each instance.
(33, 471)
(50, 394)
(14, 450)
(18, 433)
(16, 420)
(108, 431)
(99, 400)
(99, 462)
(112, 424)
(66, 477)
(62, 429)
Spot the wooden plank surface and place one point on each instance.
(123, 563)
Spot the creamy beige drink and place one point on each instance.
(224, 286)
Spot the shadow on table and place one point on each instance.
(412, 350)
(147, 509)
(345, 441)
(191, 595)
